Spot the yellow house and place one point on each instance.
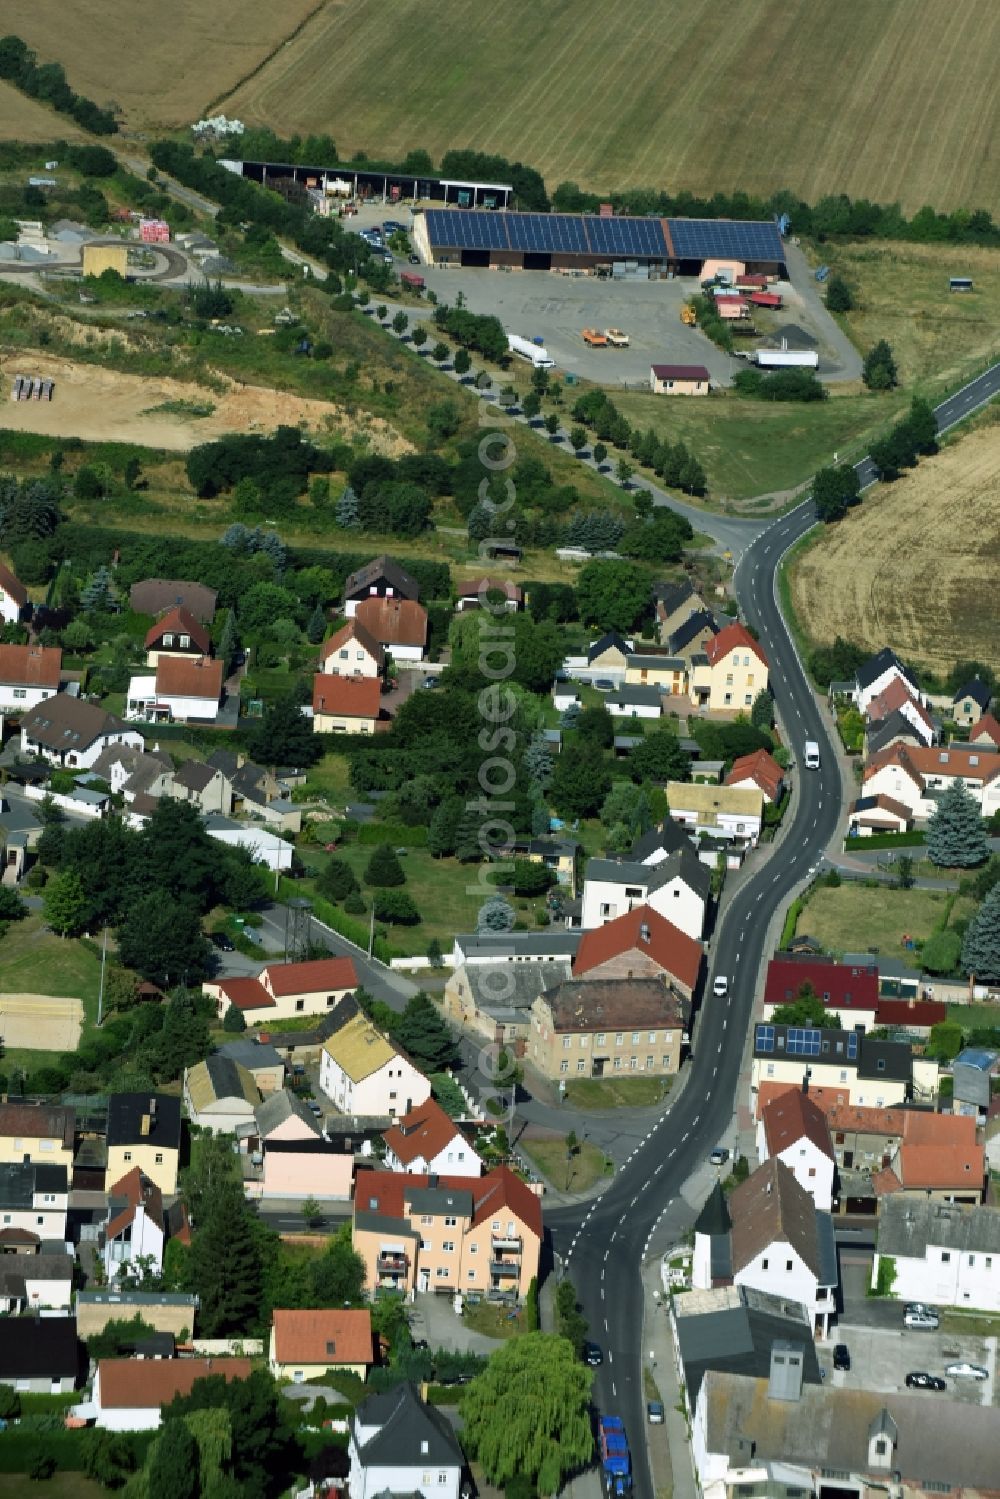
(346, 704)
(651, 669)
(284, 990)
(679, 380)
(729, 673)
(307, 1345)
(36, 1132)
(144, 1130)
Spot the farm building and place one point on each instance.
(621, 247)
(332, 181)
(679, 380)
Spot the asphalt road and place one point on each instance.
(603, 1245)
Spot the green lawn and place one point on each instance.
(975, 1017)
(853, 917)
(492, 1320)
(33, 961)
(577, 1175)
(616, 1092)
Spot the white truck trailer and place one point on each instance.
(534, 353)
(786, 359)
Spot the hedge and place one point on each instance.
(19, 1448)
(333, 916)
(914, 839)
(392, 832)
(791, 920)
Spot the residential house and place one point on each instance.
(399, 1445)
(677, 888)
(136, 1228)
(219, 1095)
(144, 1130)
(40, 1132)
(347, 705)
(494, 999)
(282, 990)
(264, 846)
(692, 635)
(759, 771)
(730, 672)
(780, 1437)
(13, 596)
(679, 380)
(427, 1142)
(875, 675)
(656, 845)
(553, 944)
(352, 652)
(629, 701)
(608, 656)
(382, 578)
(448, 1233)
(937, 1157)
(942, 1254)
(986, 731)
(71, 734)
(34, 1198)
(912, 1016)
(363, 1072)
(309, 1344)
(40, 1355)
(557, 854)
(156, 596)
(899, 697)
(257, 792)
(283, 1116)
(674, 603)
(177, 633)
(868, 815)
(184, 688)
(779, 1242)
(498, 595)
(916, 777)
(733, 813)
(165, 1311)
(736, 1328)
(399, 625)
(971, 702)
(133, 773)
(204, 786)
(882, 733)
(794, 1129)
(35, 1282)
(850, 991)
(129, 1393)
(28, 675)
(290, 1157)
(664, 670)
(262, 1061)
(597, 1027)
(880, 1073)
(640, 944)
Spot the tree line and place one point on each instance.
(46, 82)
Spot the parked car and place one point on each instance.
(430, 681)
(719, 1156)
(920, 1306)
(654, 1412)
(720, 986)
(918, 1380)
(314, 1108)
(414, 259)
(592, 1355)
(221, 941)
(925, 1319)
(964, 1370)
(841, 1356)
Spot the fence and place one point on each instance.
(68, 803)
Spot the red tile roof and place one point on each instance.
(141, 1384)
(794, 1115)
(987, 731)
(920, 761)
(30, 666)
(347, 697)
(896, 695)
(135, 1189)
(839, 986)
(394, 621)
(935, 1167)
(863, 1119)
(315, 977)
(178, 676)
(386, 1192)
(180, 621)
(425, 1131)
(761, 768)
(641, 930)
(922, 1013)
(734, 637)
(331, 1336)
(246, 994)
(826, 1098)
(353, 630)
(12, 587)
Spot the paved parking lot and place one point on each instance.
(881, 1358)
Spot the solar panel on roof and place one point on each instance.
(802, 1041)
(765, 1038)
(852, 1045)
(703, 239)
(453, 229)
(632, 238)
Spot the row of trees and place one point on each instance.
(672, 462)
(837, 489)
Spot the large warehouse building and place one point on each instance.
(619, 247)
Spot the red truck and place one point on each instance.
(415, 283)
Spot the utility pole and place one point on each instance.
(100, 992)
(371, 930)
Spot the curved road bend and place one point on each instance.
(604, 1243)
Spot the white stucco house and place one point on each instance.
(264, 847)
(793, 1129)
(364, 1073)
(943, 1254)
(72, 734)
(13, 596)
(28, 675)
(427, 1142)
(876, 674)
(136, 1227)
(399, 1445)
(181, 689)
(677, 888)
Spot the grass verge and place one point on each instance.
(617, 1092)
(587, 1166)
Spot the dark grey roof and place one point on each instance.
(907, 1225)
(16, 1268)
(195, 775)
(883, 661)
(410, 1435)
(673, 595)
(64, 724)
(655, 659)
(611, 640)
(885, 731)
(633, 695)
(668, 836)
(127, 1110)
(617, 871)
(381, 567)
(440, 1201)
(344, 1010)
(509, 987)
(224, 1076)
(738, 1339)
(278, 1107)
(691, 628)
(891, 1059)
(135, 1298)
(714, 1217)
(829, 1274)
(551, 943)
(38, 1348)
(977, 690)
(683, 864)
(250, 1054)
(381, 1223)
(19, 1181)
(896, 1055)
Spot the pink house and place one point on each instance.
(292, 1158)
(154, 231)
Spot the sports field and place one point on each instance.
(914, 565)
(162, 64)
(894, 100)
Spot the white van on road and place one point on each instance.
(812, 755)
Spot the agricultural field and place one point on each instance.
(23, 119)
(162, 65)
(693, 94)
(911, 566)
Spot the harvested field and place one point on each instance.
(911, 566)
(894, 101)
(163, 65)
(23, 119)
(101, 405)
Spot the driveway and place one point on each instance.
(433, 1319)
(882, 1357)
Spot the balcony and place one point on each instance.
(501, 1242)
(391, 1262)
(505, 1267)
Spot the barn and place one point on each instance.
(636, 248)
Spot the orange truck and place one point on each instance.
(594, 338)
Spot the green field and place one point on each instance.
(893, 101)
(579, 1174)
(852, 917)
(616, 1092)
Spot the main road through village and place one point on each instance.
(604, 1244)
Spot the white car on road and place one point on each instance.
(720, 986)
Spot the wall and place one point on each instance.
(325, 1177)
(67, 803)
(94, 1317)
(947, 1283)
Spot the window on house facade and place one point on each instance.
(448, 1247)
(649, 1063)
(566, 1042)
(763, 1264)
(581, 1065)
(450, 1222)
(600, 1038)
(563, 1066)
(619, 1038)
(127, 1156)
(633, 1063)
(618, 1064)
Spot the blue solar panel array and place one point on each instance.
(852, 1045)
(802, 1041)
(765, 1038)
(616, 238)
